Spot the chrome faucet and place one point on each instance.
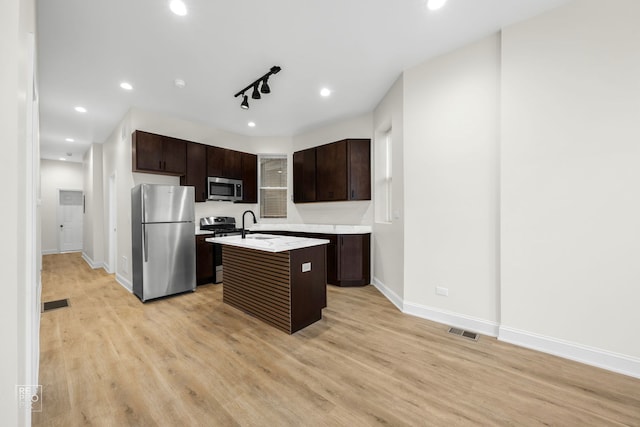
(255, 221)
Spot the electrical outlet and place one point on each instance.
(442, 291)
(124, 265)
(306, 267)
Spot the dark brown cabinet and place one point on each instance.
(304, 176)
(249, 178)
(194, 162)
(359, 169)
(196, 172)
(331, 172)
(205, 269)
(348, 256)
(223, 162)
(338, 171)
(353, 267)
(158, 154)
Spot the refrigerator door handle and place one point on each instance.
(145, 248)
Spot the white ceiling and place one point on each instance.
(357, 48)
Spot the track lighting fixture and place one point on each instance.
(264, 87)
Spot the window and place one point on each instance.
(273, 186)
(384, 177)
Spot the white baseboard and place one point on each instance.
(92, 263)
(50, 251)
(474, 324)
(391, 296)
(619, 363)
(124, 282)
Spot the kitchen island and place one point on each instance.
(281, 280)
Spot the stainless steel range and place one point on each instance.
(220, 226)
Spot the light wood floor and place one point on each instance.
(191, 360)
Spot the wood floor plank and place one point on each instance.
(110, 360)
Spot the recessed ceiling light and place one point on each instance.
(325, 92)
(63, 159)
(126, 86)
(435, 4)
(251, 124)
(179, 83)
(80, 109)
(69, 139)
(178, 7)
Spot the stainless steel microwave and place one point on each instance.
(224, 189)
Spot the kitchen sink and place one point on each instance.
(261, 237)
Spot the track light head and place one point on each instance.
(245, 102)
(265, 86)
(256, 93)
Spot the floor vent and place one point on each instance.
(53, 305)
(465, 334)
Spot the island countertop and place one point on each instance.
(268, 242)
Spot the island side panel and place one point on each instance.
(258, 283)
(308, 288)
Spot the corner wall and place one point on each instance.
(388, 238)
(570, 183)
(451, 187)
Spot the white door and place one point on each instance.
(70, 207)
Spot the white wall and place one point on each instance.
(451, 185)
(56, 175)
(388, 238)
(348, 213)
(93, 227)
(570, 181)
(17, 21)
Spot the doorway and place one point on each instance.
(70, 212)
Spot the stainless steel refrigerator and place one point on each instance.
(163, 242)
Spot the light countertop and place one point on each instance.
(313, 228)
(202, 232)
(268, 242)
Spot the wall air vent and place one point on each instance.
(465, 334)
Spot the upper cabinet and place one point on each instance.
(196, 174)
(338, 171)
(304, 176)
(194, 162)
(249, 178)
(331, 172)
(223, 162)
(158, 154)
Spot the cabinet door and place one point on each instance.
(331, 171)
(249, 178)
(147, 152)
(175, 156)
(204, 261)
(359, 169)
(215, 161)
(353, 259)
(304, 176)
(232, 167)
(196, 174)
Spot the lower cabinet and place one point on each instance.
(205, 268)
(348, 256)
